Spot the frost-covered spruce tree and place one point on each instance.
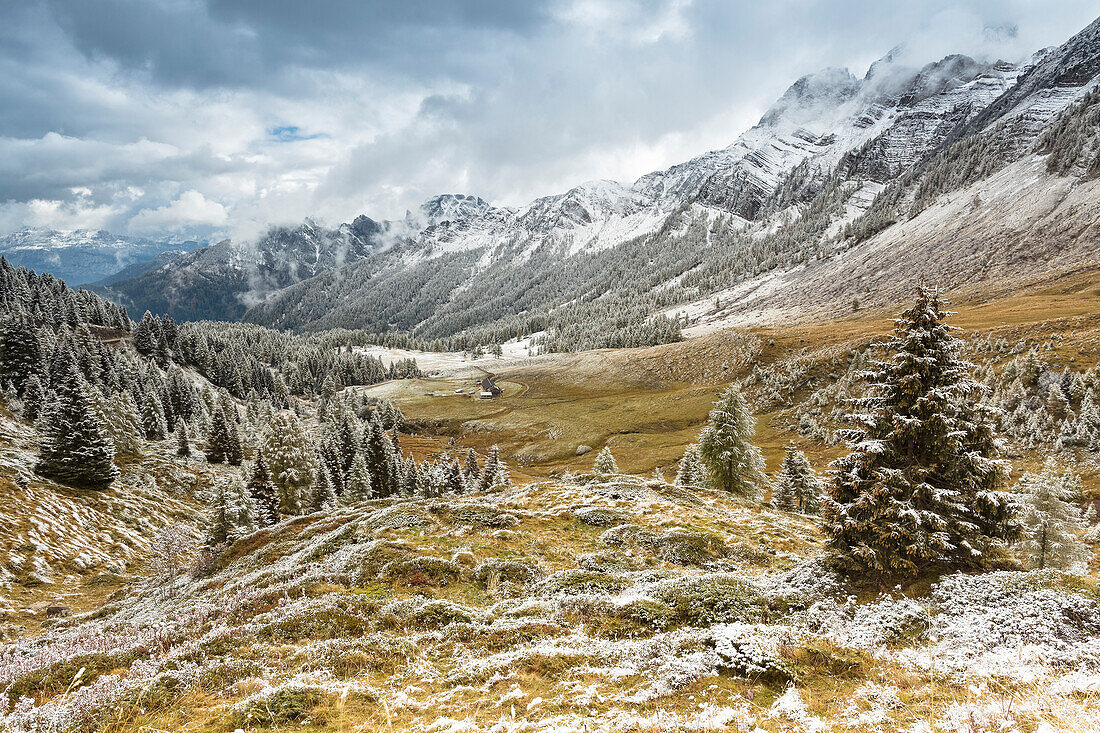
(921, 486)
(380, 456)
(74, 448)
(456, 483)
(183, 441)
(20, 352)
(34, 396)
(470, 469)
(153, 423)
(234, 451)
(217, 443)
(232, 515)
(605, 466)
(797, 487)
(357, 488)
(410, 476)
(323, 497)
(733, 463)
(691, 472)
(122, 425)
(489, 471)
(290, 455)
(262, 492)
(1051, 519)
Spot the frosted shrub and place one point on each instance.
(993, 622)
(288, 703)
(713, 598)
(869, 626)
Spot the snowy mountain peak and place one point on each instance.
(803, 99)
(448, 207)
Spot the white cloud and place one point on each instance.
(130, 129)
(190, 211)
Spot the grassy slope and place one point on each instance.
(647, 404)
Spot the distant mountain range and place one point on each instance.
(827, 182)
(85, 255)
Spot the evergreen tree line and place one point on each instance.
(923, 486)
(348, 461)
(97, 386)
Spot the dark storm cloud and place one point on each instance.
(227, 113)
(236, 42)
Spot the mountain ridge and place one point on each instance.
(807, 181)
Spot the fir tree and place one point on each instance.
(217, 443)
(1051, 519)
(797, 487)
(733, 464)
(153, 423)
(232, 515)
(605, 465)
(920, 488)
(691, 472)
(75, 449)
(358, 486)
(323, 497)
(262, 492)
(291, 458)
(183, 443)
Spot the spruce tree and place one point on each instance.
(1051, 519)
(409, 477)
(75, 449)
(358, 486)
(20, 352)
(234, 451)
(262, 491)
(605, 465)
(490, 469)
(290, 456)
(323, 497)
(733, 464)
(217, 443)
(33, 398)
(153, 423)
(691, 472)
(183, 443)
(456, 483)
(921, 486)
(123, 424)
(473, 473)
(494, 474)
(797, 487)
(232, 515)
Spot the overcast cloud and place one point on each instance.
(214, 117)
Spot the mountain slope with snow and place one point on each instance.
(835, 161)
